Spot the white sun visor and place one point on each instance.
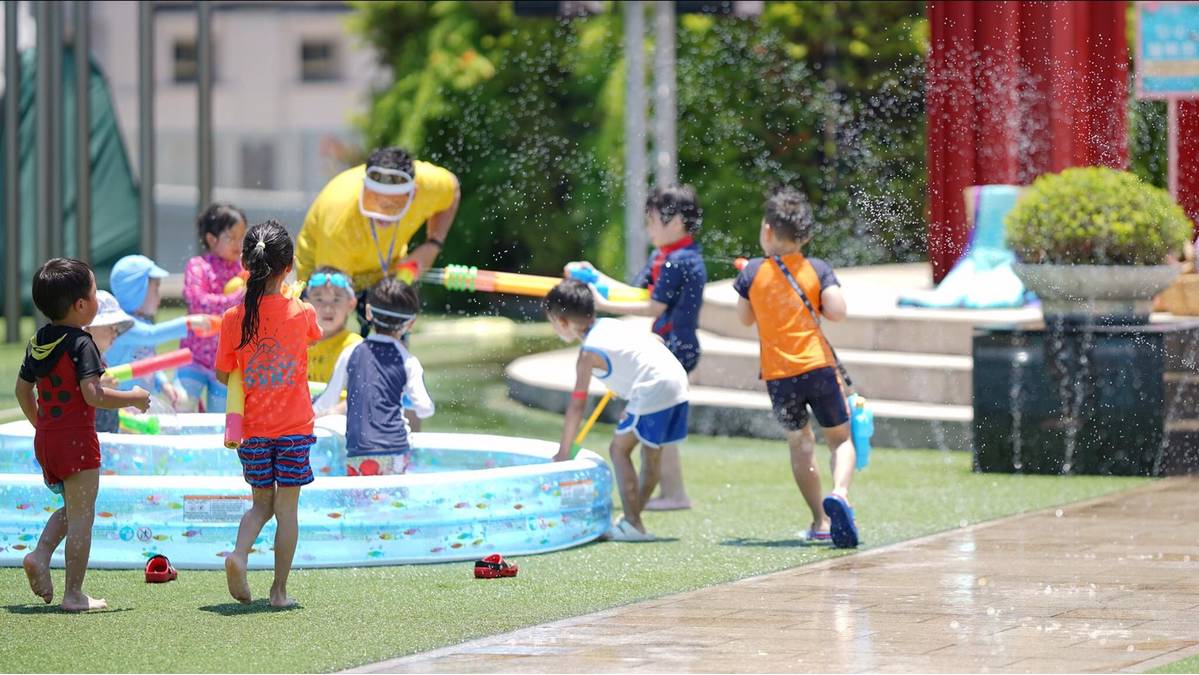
(380, 184)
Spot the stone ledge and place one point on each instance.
(538, 381)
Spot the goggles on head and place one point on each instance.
(389, 320)
(382, 182)
(326, 278)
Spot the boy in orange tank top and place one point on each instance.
(797, 363)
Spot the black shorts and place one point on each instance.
(820, 389)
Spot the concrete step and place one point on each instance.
(875, 323)
(733, 363)
(545, 380)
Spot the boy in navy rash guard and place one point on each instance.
(385, 385)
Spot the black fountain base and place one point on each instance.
(1068, 398)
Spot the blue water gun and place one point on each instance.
(609, 288)
(861, 426)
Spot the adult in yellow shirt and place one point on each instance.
(363, 219)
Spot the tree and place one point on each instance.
(528, 113)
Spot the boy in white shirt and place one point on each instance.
(637, 367)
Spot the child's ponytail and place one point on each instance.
(266, 253)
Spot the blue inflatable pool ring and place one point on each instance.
(180, 494)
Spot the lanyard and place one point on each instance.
(385, 263)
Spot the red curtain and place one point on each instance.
(1188, 157)
(1015, 89)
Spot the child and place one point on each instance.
(797, 363)
(637, 367)
(267, 339)
(110, 322)
(135, 282)
(64, 363)
(222, 227)
(676, 276)
(332, 294)
(387, 396)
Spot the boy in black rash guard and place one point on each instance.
(63, 364)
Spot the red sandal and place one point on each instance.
(159, 570)
(494, 567)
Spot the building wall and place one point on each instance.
(260, 99)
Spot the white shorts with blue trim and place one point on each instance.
(664, 427)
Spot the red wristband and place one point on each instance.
(578, 395)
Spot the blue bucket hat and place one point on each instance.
(130, 279)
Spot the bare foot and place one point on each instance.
(668, 504)
(235, 576)
(281, 599)
(82, 603)
(38, 573)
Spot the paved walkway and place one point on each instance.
(1105, 585)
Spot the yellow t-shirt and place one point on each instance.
(336, 233)
(322, 356)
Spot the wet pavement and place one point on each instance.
(1104, 585)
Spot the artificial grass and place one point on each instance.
(1187, 665)
(747, 511)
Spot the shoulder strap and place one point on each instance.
(815, 317)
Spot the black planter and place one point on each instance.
(1069, 398)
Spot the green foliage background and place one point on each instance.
(529, 113)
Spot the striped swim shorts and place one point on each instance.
(283, 461)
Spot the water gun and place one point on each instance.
(235, 406)
(407, 272)
(204, 325)
(473, 279)
(599, 408)
(294, 289)
(609, 288)
(149, 366)
(237, 283)
(861, 426)
(139, 424)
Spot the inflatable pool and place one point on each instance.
(181, 494)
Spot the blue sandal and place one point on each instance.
(843, 529)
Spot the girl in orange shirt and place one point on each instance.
(267, 340)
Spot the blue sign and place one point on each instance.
(1167, 56)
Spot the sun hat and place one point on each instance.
(130, 279)
(110, 312)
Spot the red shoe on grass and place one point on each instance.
(159, 570)
(494, 567)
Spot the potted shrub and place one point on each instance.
(1093, 244)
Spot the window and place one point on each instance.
(185, 65)
(318, 61)
(258, 165)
